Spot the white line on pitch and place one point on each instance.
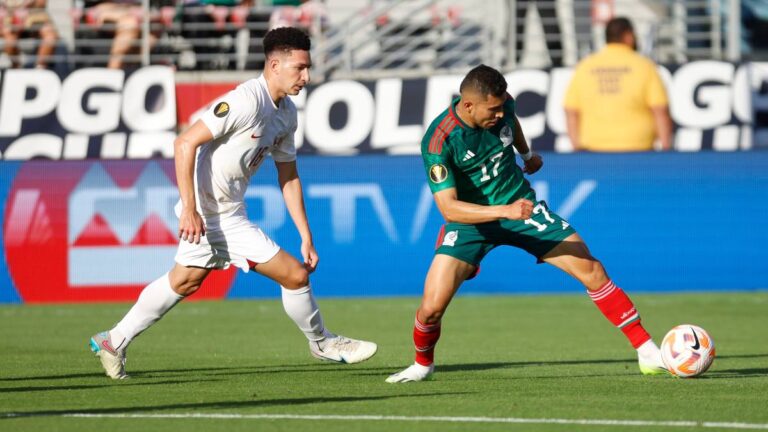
(588, 422)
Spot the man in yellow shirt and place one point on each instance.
(616, 101)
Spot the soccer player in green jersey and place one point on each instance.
(486, 202)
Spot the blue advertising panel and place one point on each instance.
(8, 293)
(658, 222)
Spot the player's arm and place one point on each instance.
(454, 210)
(663, 126)
(531, 161)
(185, 146)
(290, 184)
(572, 119)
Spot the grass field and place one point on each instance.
(532, 363)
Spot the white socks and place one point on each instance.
(158, 298)
(648, 349)
(154, 301)
(300, 305)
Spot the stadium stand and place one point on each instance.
(359, 39)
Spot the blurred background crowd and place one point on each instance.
(362, 38)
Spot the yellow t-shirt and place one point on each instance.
(614, 90)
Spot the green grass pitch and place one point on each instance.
(522, 363)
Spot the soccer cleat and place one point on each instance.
(413, 373)
(342, 349)
(650, 361)
(113, 360)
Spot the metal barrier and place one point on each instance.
(415, 38)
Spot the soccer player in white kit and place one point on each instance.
(215, 159)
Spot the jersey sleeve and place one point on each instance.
(437, 161)
(656, 94)
(231, 112)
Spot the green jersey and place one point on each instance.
(479, 163)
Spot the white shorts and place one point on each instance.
(228, 240)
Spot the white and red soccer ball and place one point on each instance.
(687, 351)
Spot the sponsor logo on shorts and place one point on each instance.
(450, 238)
(438, 173)
(565, 224)
(221, 109)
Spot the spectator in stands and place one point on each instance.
(20, 16)
(125, 17)
(308, 15)
(616, 101)
(211, 26)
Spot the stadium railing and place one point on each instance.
(414, 38)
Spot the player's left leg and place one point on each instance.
(155, 300)
(573, 257)
(445, 276)
(301, 307)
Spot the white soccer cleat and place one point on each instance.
(649, 360)
(412, 373)
(342, 349)
(113, 360)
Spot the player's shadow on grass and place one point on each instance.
(204, 371)
(222, 405)
(137, 373)
(736, 373)
(327, 367)
(93, 374)
(484, 366)
(468, 367)
(107, 383)
(462, 367)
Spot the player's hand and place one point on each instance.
(309, 254)
(519, 210)
(191, 226)
(533, 164)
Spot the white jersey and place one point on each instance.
(246, 126)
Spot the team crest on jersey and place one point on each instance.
(506, 135)
(438, 173)
(221, 109)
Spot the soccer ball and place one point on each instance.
(687, 351)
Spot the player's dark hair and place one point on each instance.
(285, 39)
(484, 80)
(616, 28)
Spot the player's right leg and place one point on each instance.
(300, 305)
(445, 276)
(573, 257)
(155, 300)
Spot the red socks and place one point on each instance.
(620, 311)
(425, 337)
(610, 299)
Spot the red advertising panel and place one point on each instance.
(194, 97)
(94, 231)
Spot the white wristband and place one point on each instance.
(527, 156)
